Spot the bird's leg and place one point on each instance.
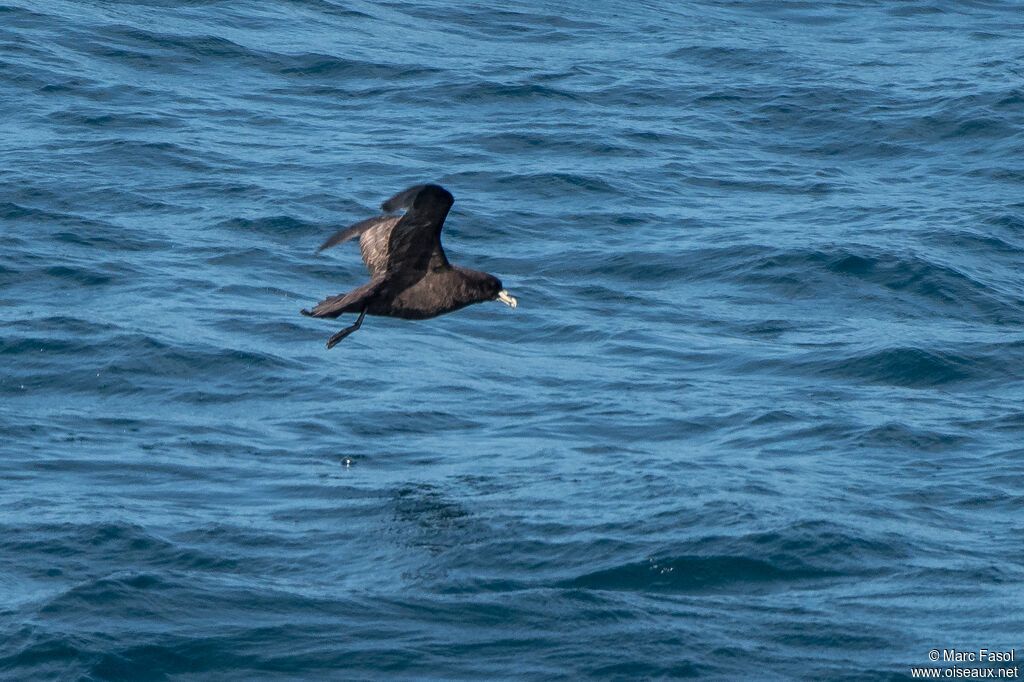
(331, 342)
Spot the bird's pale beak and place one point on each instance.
(507, 298)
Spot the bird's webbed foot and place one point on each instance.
(333, 341)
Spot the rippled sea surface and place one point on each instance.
(759, 413)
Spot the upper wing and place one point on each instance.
(408, 244)
(373, 234)
(415, 242)
(356, 230)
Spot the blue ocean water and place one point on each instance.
(759, 413)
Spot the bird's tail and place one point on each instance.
(353, 302)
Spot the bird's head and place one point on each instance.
(486, 287)
(498, 292)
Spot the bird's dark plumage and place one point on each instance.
(410, 276)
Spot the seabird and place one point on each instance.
(410, 277)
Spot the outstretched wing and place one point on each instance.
(352, 231)
(415, 243)
(399, 202)
(373, 234)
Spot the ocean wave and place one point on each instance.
(692, 574)
(805, 555)
(911, 367)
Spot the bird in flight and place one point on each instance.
(410, 276)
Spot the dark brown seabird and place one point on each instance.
(410, 277)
